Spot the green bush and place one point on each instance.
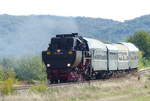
(145, 86)
(6, 87)
(8, 62)
(25, 67)
(7, 79)
(6, 73)
(143, 62)
(30, 68)
(146, 62)
(1, 73)
(142, 40)
(140, 62)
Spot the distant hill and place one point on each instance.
(20, 35)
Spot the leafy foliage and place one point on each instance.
(6, 87)
(26, 68)
(30, 68)
(142, 40)
(6, 73)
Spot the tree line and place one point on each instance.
(142, 40)
(23, 68)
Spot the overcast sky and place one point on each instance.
(112, 9)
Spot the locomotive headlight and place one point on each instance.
(48, 65)
(68, 65)
(58, 50)
(48, 53)
(70, 52)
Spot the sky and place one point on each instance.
(119, 10)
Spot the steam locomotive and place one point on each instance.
(71, 57)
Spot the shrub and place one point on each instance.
(146, 62)
(145, 86)
(143, 62)
(8, 62)
(6, 73)
(140, 62)
(6, 87)
(25, 68)
(1, 73)
(142, 40)
(30, 68)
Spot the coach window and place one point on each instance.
(120, 56)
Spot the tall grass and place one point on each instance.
(7, 80)
(6, 87)
(38, 88)
(109, 90)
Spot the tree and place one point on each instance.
(142, 40)
(30, 68)
(23, 68)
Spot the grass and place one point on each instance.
(6, 87)
(70, 95)
(141, 98)
(121, 89)
(38, 88)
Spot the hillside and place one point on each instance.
(20, 35)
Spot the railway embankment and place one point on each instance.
(128, 88)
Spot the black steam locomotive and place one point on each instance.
(67, 58)
(71, 57)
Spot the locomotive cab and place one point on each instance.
(61, 43)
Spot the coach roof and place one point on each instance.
(93, 43)
(130, 46)
(112, 47)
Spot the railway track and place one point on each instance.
(70, 84)
(144, 71)
(59, 85)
